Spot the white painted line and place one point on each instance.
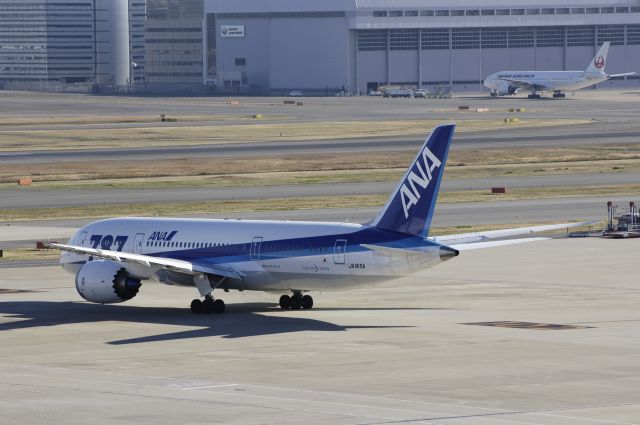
(208, 386)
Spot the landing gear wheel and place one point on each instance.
(218, 306)
(196, 306)
(307, 302)
(296, 301)
(285, 302)
(208, 305)
(534, 96)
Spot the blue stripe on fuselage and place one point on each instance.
(297, 247)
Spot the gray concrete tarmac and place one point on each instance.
(412, 351)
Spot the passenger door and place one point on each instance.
(254, 251)
(137, 243)
(82, 240)
(339, 251)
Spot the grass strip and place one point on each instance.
(300, 203)
(166, 135)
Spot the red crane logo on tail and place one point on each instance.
(599, 62)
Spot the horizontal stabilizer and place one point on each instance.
(626, 74)
(492, 244)
(505, 233)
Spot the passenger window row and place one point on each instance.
(238, 247)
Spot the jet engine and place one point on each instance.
(506, 89)
(106, 282)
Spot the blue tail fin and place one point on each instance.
(410, 207)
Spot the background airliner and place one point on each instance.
(110, 258)
(509, 82)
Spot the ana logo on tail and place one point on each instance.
(409, 193)
(598, 62)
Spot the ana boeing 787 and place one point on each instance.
(111, 258)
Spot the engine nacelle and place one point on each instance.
(507, 89)
(106, 282)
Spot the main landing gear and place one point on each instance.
(558, 93)
(296, 301)
(534, 96)
(208, 305)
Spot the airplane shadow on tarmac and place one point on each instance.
(244, 320)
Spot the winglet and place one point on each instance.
(410, 207)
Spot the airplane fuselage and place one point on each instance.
(270, 255)
(545, 80)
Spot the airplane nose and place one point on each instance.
(447, 253)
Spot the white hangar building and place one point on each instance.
(318, 47)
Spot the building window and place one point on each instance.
(593, 10)
(577, 10)
(403, 39)
(395, 13)
(426, 13)
(521, 37)
(550, 36)
(434, 39)
(517, 11)
(503, 12)
(493, 38)
(472, 12)
(457, 12)
(611, 33)
(442, 12)
(622, 10)
(580, 36)
(548, 11)
(410, 13)
(488, 12)
(379, 13)
(633, 34)
(562, 11)
(369, 40)
(241, 61)
(533, 11)
(607, 10)
(465, 38)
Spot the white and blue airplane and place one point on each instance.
(111, 258)
(505, 83)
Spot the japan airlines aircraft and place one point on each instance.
(510, 82)
(111, 258)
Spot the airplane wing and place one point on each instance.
(151, 262)
(522, 84)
